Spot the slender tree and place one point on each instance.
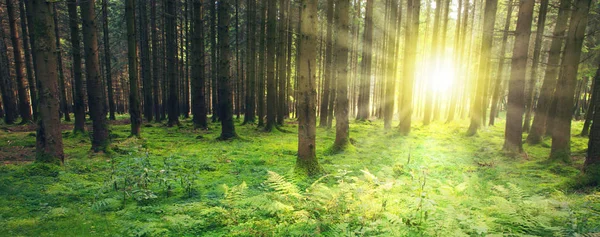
(9, 98)
(498, 87)
(135, 115)
(271, 80)
(250, 115)
(537, 48)
(328, 73)
(198, 76)
(225, 103)
(390, 66)
(64, 107)
(24, 103)
(410, 54)
(156, 63)
(342, 134)
(364, 94)
(107, 61)
(513, 134)
(28, 60)
(49, 144)
(478, 109)
(100, 139)
(565, 89)
(591, 166)
(171, 44)
(540, 120)
(307, 163)
(78, 95)
(145, 65)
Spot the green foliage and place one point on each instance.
(435, 182)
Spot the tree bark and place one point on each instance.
(565, 89)
(28, 59)
(591, 166)
(390, 67)
(78, 95)
(100, 139)
(145, 65)
(7, 89)
(271, 80)
(135, 115)
(500, 74)
(198, 76)
(107, 61)
(342, 134)
(307, 163)
(364, 94)
(49, 144)
(225, 103)
(410, 54)
(155, 63)
(64, 107)
(513, 134)
(171, 44)
(541, 120)
(328, 73)
(249, 116)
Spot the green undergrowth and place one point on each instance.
(184, 182)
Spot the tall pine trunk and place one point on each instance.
(364, 93)
(198, 76)
(225, 95)
(100, 139)
(49, 143)
(537, 48)
(342, 133)
(135, 115)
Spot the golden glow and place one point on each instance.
(442, 78)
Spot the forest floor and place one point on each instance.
(183, 182)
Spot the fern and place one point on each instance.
(281, 185)
(235, 193)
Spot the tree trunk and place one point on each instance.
(78, 95)
(145, 61)
(513, 134)
(7, 89)
(390, 67)
(540, 120)
(328, 73)
(591, 166)
(198, 80)
(155, 63)
(282, 62)
(271, 84)
(24, 103)
(537, 48)
(589, 115)
(435, 45)
(249, 116)
(64, 107)
(225, 103)
(135, 115)
(364, 94)
(49, 144)
(561, 134)
(215, 64)
(410, 54)
(100, 139)
(479, 109)
(307, 163)
(28, 60)
(261, 65)
(342, 135)
(171, 44)
(107, 60)
(500, 74)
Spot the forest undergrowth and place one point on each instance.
(183, 182)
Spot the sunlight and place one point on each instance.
(442, 78)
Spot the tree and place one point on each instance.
(271, 84)
(49, 144)
(145, 61)
(282, 63)
(328, 72)
(410, 54)
(540, 120)
(591, 166)
(435, 46)
(107, 61)
(225, 103)
(79, 108)
(342, 134)
(135, 115)
(171, 44)
(64, 107)
(307, 163)
(365, 77)
(156, 63)
(28, 59)
(478, 110)
(537, 48)
(565, 89)
(24, 103)
(500, 75)
(198, 75)
(390, 86)
(100, 139)
(9, 98)
(250, 115)
(513, 134)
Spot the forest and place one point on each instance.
(300, 118)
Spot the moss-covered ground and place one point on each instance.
(183, 182)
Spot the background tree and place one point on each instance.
(7, 88)
(49, 143)
(198, 76)
(328, 72)
(171, 44)
(250, 115)
(410, 54)
(271, 82)
(78, 95)
(135, 115)
(367, 54)
(342, 127)
(107, 61)
(24, 103)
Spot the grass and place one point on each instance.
(183, 182)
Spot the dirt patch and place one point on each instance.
(16, 154)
